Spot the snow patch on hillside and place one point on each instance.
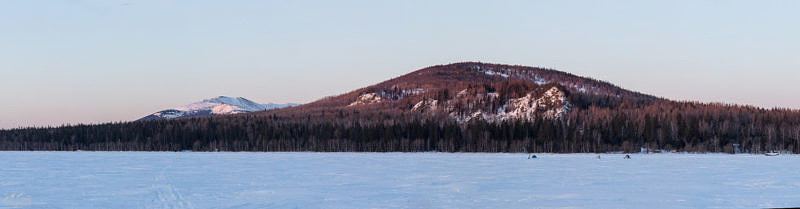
(367, 98)
(491, 72)
(415, 91)
(425, 105)
(551, 104)
(170, 114)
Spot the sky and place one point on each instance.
(77, 61)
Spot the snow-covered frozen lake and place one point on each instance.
(395, 180)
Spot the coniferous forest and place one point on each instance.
(595, 124)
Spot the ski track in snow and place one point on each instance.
(167, 195)
(397, 180)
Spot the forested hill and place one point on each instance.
(462, 107)
(445, 81)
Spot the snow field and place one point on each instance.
(395, 180)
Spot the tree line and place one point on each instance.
(595, 124)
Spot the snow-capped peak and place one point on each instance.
(221, 105)
(226, 105)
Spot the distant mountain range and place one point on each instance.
(459, 107)
(220, 105)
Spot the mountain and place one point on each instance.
(220, 105)
(472, 90)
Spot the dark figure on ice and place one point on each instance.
(627, 157)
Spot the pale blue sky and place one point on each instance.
(98, 61)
